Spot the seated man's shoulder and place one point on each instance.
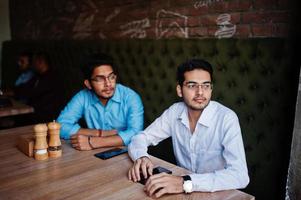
(222, 109)
(84, 94)
(176, 108)
(126, 91)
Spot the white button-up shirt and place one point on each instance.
(214, 152)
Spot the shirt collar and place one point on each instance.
(116, 97)
(207, 114)
(205, 118)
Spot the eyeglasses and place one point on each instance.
(194, 86)
(102, 79)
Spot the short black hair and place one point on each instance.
(41, 55)
(27, 54)
(190, 65)
(94, 60)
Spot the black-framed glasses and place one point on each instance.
(100, 79)
(206, 86)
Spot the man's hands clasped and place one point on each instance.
(143, 165)
(158, 184)
(81, 142)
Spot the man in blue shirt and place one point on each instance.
(206, 139)
(24, 66)
(113, 112)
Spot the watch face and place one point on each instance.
(187, 186)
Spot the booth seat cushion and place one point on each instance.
(257, 78)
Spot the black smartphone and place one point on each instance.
(156, 170)
(110, 153)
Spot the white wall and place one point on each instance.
(4, 28)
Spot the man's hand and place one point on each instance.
(160, 184)
(144, 165)
(80, 142)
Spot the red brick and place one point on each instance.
(240, 6)
(115, 35)
(181, 10)
(193, 21)
(235, 18)
(226, 6)
(264, 17)
(181, 2)
(218, 7)
(199, 11)
(151, 32)
(157, 5)
(280, 16)
(261, 30)
(121, 3)
(252, 17)
(243, 31)
(284, 4)
(198, 32)
(260, 4)
(281, 30)
(134, 12)
(212, 30)
(208, 20)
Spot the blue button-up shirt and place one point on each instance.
(123, 112)
(24, 77)
(214, 153)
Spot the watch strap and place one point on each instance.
(186, 178)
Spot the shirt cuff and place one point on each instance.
(125, 137)
(73, 130)
(202, 182)
(139, 154)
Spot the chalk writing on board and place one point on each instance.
(226, 28)
(204, 3)
(136, 29)
(112, 15)
(171, 24)
(83, 23)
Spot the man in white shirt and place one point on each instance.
(206, 139)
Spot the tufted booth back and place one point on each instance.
(257, 78)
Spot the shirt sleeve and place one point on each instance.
(159, 130)
(235, 174)
(70, 116)
(134, 119)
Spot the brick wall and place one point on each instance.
(111, 19)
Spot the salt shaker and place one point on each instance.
(40, 146)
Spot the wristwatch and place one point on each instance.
(187, 185)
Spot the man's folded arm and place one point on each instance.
(70, 116)
(156, 132)
(134, 119)
(235, 174)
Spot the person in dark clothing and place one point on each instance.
(44, 91)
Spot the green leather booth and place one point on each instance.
(257, 78)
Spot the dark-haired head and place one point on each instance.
(41, 62)
(27, 54)
(24, 60)
(190, 65)
(41, 55)
(95, 60)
